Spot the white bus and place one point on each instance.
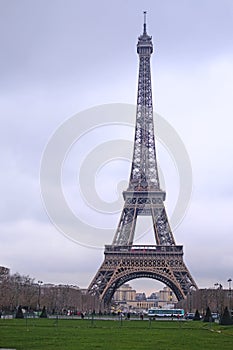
(157, 312)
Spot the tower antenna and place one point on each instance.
(144, 25)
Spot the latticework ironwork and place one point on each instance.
(123, 260)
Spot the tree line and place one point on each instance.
(19, 290)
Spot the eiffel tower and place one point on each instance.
(125, 261)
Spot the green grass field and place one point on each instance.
(79, 334)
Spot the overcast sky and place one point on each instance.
(61, 58)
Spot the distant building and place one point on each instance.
(126, 296)
(154, 295)
(140, 296)
(124, 293)
(166, 297)
(142, 305)
(4, 272)
(49, 285)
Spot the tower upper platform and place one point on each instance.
(144, 172)
(144, 46)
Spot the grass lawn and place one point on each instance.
(50, 334)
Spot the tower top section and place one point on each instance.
(144, 25)
(144, 46)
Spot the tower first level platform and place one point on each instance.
(124, 263)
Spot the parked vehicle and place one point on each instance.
(189, 316)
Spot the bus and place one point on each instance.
(159, 312)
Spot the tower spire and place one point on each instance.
(144, 25)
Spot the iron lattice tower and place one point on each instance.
(123, 260)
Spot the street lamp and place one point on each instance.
(39, 291)
(229, 281)
(218, 286)
(219, 297)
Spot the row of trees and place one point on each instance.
(225, 317)
(21, 290)
(216, 299)
(15, 290)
